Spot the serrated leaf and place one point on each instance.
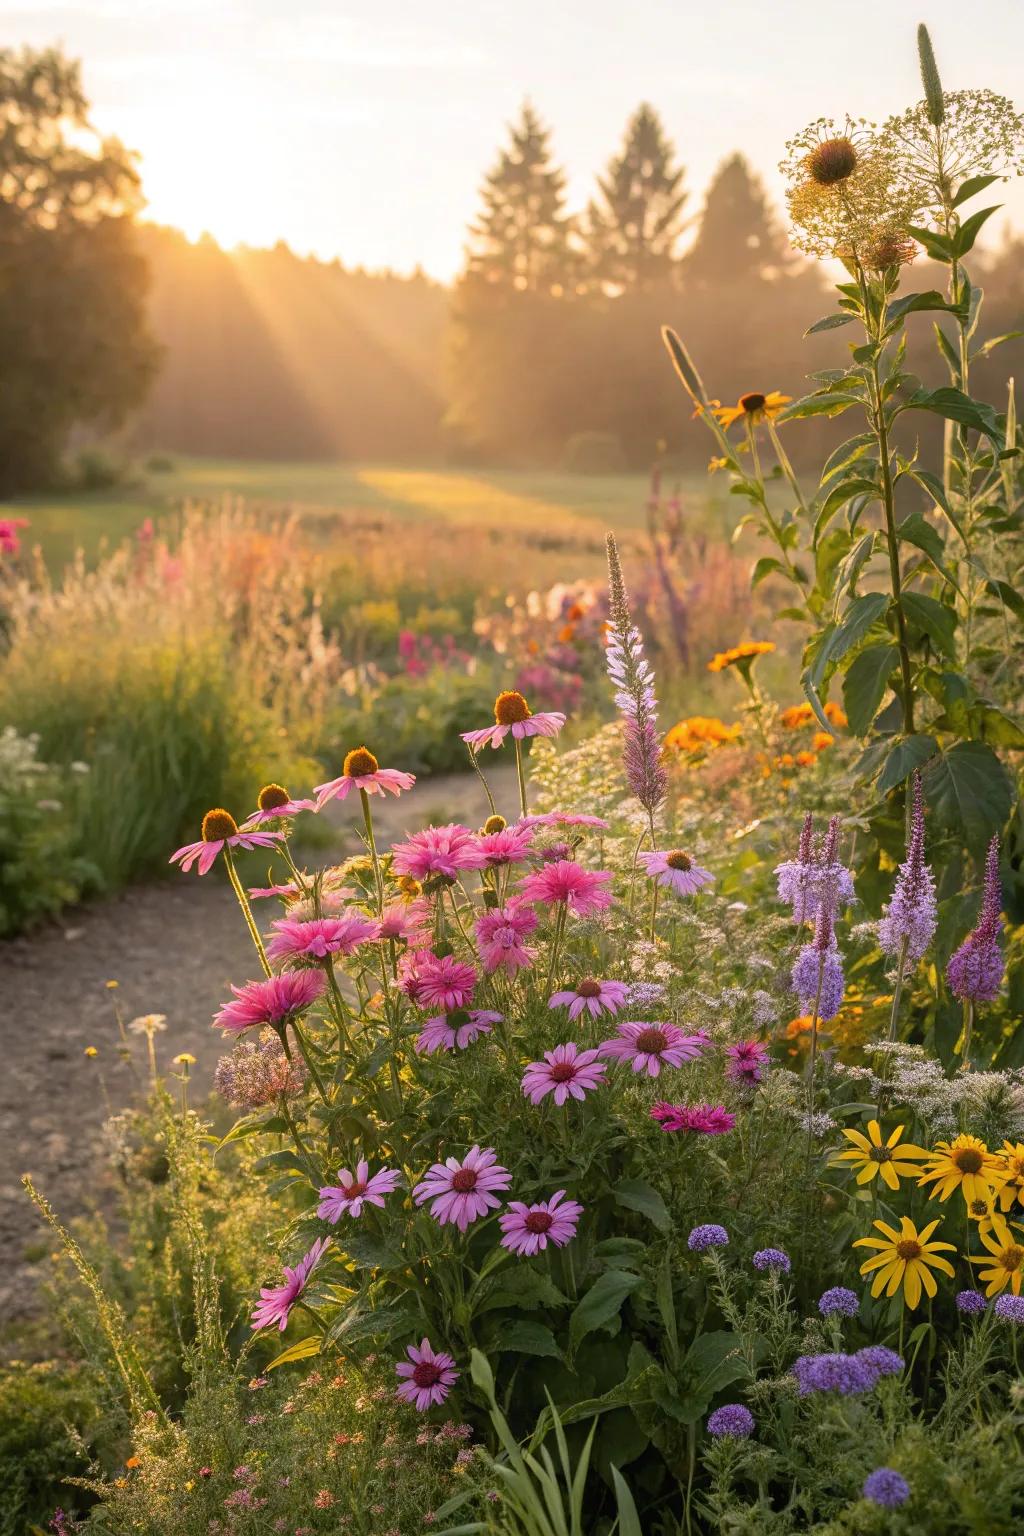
(865, 684)
(938, 622)
(860, 615)
(601, 1303)
(635, 1195)
(969, 791)
(910, 753)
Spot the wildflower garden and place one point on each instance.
(649, 1159)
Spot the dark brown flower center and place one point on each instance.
(463, 1180)
(588, 987)
(538, 1221)
(880, 1155)
(978, 1207)
(218, 824)
(563, 1072)
(271, 796)
(752, 403)
(833, 160)
(651, 1041)
(510, 708)
(355, 1189)
(679, 860)
(1011, 1258)
(908, 1249)
(359, 763)
(427, 1374)
(969, 1160)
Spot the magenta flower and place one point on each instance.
(512, 713)
(276, 1001)
(361, 771)
(438, 851)
(566, 1071)
(277, 1300)
(509, 846)
(441, 982)
(561, 819)
(273, 802)
(529, 1228)
(354, 1190)
(10, 543)
(596, 997)
(261, 892)
(318, 937)
(500, 932)
(454, 1031)
(429, 1377)
(746, 1059)
(220, 831)
(975, 972)
(676, 870)
(406, 921)
(462, 1192)
(584, 891)
(706, 1119)
(649, 1047)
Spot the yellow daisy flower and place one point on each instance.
(754, 406)
(980, 1210)
(873, 1157)
(1005, 1257)
(1011, 1171)
(965, 1164)
(905, 1259)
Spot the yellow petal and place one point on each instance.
(912, 1286)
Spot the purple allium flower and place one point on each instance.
(845, 1374)
(838, 1302)
(975, 972)
(631, 674)
(816, 966)
(910, 917)
(886, 1488)
(708, 1235)
(970, 1303)
(731, 1421)
(879, 1361)
(772, 1259)
(1009, 1309)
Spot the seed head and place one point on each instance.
(359, 763)
(218, 824)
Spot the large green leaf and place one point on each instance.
(954, 405)
(937, 621)
(906, 755)
(856, 621)
(529, 1338)
(830, 323)
(970, 792)
(916, 301)
(821, 403)
(601, 1303)
(963, 240)
(635, 1195)
(865, 683)
(971, 187)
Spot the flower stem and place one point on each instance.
(243, 902)
(474, 759)
(519, 771)
(377, 875)
(307, 1057)
(965, 1065)
(556, 943)
(898, 993)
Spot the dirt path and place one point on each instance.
(172, 948)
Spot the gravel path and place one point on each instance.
(173, 948)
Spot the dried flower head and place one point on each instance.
(981, 134)
(844, 186)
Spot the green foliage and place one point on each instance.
(40, 870)
(46, 1415)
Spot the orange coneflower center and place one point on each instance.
(833, 160)
(909, 1249)
(271, 796)
(463, 1180)
(359, 763)
(427, 1374)
(494, 824)
(588, 987)
(1011, 1258)
(538, 1221)
(679, 860)
(651, 1041)
(218, 824)
(510, 708)
(752, 403)
(409, 887)
(968, 1160)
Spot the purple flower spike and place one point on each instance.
(631, 673)
(975, 972)
(910, 918)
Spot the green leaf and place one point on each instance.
(916, 301)
(865, 683)
(830, 323)
(937, 246)
(765, 567)
(858, 619)
(969, 791)
(818, 404)
(529, 1338)
(1009, 596)
(971, 187)
(909, 753)
(963, 240)
(300, 1351)
(996, 341)
(601, 1303)
(937, 621)
(954, 405)
(916, 529)
(684, 365)
(368, 1252)
(999, 730)
(839, 495)
(629, 1520)
(635, 1195)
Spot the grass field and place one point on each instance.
(565, 506)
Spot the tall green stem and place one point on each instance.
(243, 902)
(898, 993)
(892, 540)
(519, 772)
(377, 875)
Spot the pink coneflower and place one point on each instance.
(274, 801)
(529, 1228)
(566, 1072)
(276, 1001)
(407, 921)
(220, 831)
(676, 870)
(649, 1047)
(510, 845)
(362, 771)
(461, 1192)
(746, 1059)
(561, 819)
(706, 1119)
(512, 713)
(318, 937)
(438, 851)
(454, 1031)
(277, 1300)
(584, 891)
(9, 540)
(287, 892)
(354, 1190)
(441, 982)
(429, 1376)
(500, 932)
(596, 997)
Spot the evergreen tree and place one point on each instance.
(737, 237)
(521, 238)
(633, 227)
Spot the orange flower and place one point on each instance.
(806, 759)
(795, 716)
(737, 655)
(700, 733)
(821, 741)
(753, 407)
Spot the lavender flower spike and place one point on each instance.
(975, 972)
(815, 878)
(818, 973)
(910, 917)
(631, 674)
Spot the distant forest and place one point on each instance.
(545, 351)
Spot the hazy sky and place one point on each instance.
(362, 130)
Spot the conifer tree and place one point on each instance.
(737, 237)
(521, 238)
(633, 225)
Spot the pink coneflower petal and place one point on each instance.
(461, 1192)
(594, 997)
(676, 870)
(509, 846)
(454, 1031)
(206, 852)
(287, 808)
(501, 932)
(380, 781)
(438, 851)
(566, 1072)
(317, 938)
(529, 1228)
(354, 1190)
(706, 1119)
(649, 1047)
(561, 819)
(427, 1376)
(276, 1301)
(433, 981)
(276, 1001)
(584, 891)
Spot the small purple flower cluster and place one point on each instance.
(773, 1259)
(838, 1302)
(731, 1421)
(970, 1303)
(1009, 1309)
(849, 1375)
(708, 1235)
(886, 1488)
